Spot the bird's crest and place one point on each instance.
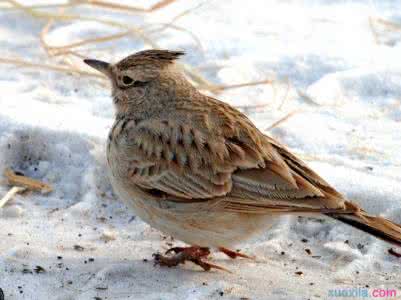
(150, 57)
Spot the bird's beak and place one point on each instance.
(99, 65)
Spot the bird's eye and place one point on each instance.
(127, 80)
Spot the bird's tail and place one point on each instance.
(378, 226)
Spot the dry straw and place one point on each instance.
(63, 56)
(53, 13)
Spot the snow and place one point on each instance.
(330, 61)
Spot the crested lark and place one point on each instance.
(199, 170)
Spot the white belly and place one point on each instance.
(195, 224)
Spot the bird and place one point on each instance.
(199, 170)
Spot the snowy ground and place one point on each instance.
(332, 61)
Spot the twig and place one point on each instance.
(42, 34)
(65, 50)
(308, 99)
(27, 182)
(160, 4)
(252, 106)
(64, 17)
(20, 62)
(56, 50)
(196, 76)
(286, 93)
(73, 53)
(175, 27)
(218, 88)
(105, 4)
(45, 6)
(10, 194)
(179, 16)
(283, 119)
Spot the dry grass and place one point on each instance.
(56, 13)
(282, 120)
(58, 68)
(53, 14)
(218, 88)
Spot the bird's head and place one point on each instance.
(142, 78)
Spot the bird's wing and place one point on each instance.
(179, 160)
(258, 190)
(235, 160)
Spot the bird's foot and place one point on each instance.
(234, 254)
(194, 254)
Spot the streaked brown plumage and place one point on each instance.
(199, 170)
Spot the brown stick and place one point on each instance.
(283, 119)
(219, 88)
(106, 4)
(26, 182)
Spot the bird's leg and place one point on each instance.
(234, 254)
(194, 254)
